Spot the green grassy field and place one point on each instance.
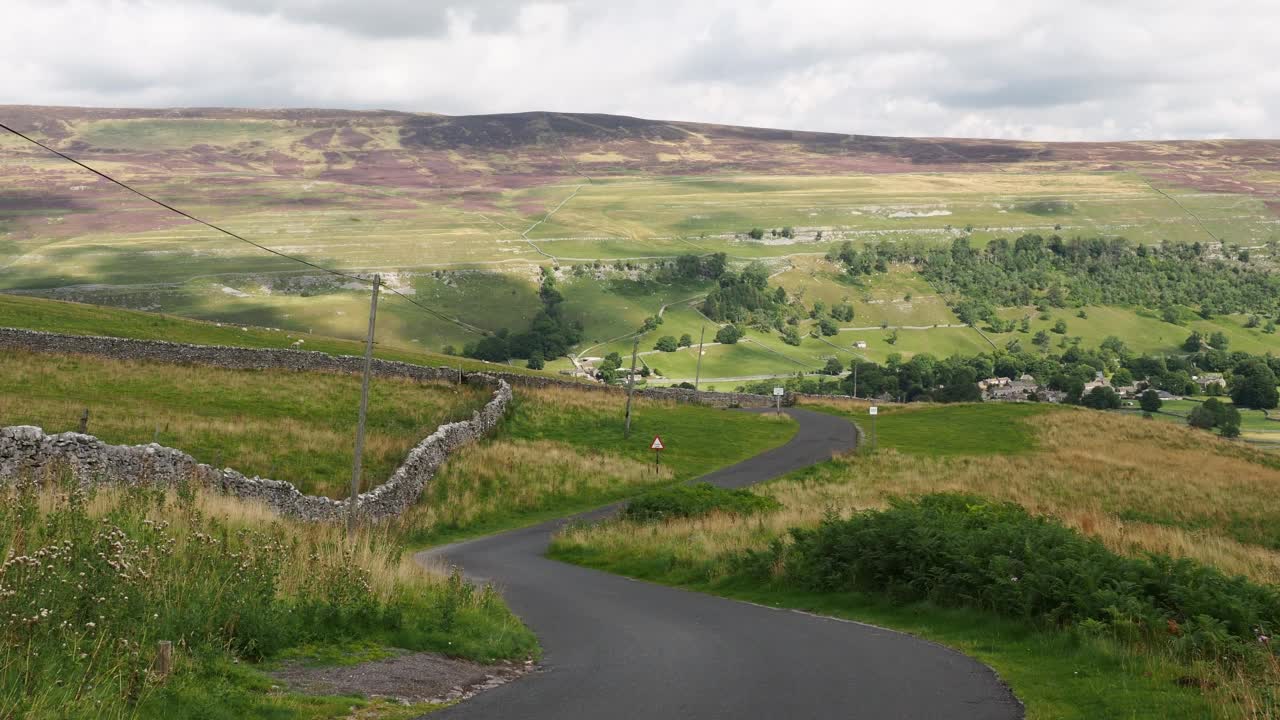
(876, 299)
(709, 211)
(618, 306)
(943, 430)
(278, 424)
(1255, 427)
(1141, 330)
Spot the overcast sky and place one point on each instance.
(1079, 69)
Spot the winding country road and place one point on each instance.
(617, 649)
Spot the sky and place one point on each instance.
(1076, 70)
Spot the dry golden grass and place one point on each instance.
(1137, 485)
(557, 399)
(488, 481)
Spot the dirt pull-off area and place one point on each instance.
(409, 677)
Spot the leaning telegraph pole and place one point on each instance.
(697, 374)
(631, 386)
(364, 406)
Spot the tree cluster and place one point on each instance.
(550, 335)
(1096, 271)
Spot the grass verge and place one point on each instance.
(93, 581)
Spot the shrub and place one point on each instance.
(697, 500)
(666, 343)
(958, 550)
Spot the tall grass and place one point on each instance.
(92, 580)
(278, 424)
(489, 485)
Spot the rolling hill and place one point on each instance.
(462, 212)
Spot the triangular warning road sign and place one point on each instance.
(656, 444)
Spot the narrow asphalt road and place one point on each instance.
(617, 649)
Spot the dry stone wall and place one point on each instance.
(235, 358)
(26, 451)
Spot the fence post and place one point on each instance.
(84, 423)
(164, 658)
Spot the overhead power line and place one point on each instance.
(336, 273)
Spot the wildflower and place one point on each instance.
(90, 625)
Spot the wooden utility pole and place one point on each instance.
(631, 386)
(855, 377)
(364, 406)
(697, 374)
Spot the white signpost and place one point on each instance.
(657, 447)
(777, 400)
(874, 411)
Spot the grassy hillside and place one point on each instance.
(82, 319)
(461, 211)
(1141, 330)
(1137, 485)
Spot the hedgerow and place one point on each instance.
(958, 550)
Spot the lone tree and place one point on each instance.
(1150, 401)
(729, 335)
(1101, 398)
(666, 343)
(685, 340)
(834, 367)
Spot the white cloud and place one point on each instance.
(1085, 70)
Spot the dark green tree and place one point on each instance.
(1254, 386)
(1150, 401)
(729, 335)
